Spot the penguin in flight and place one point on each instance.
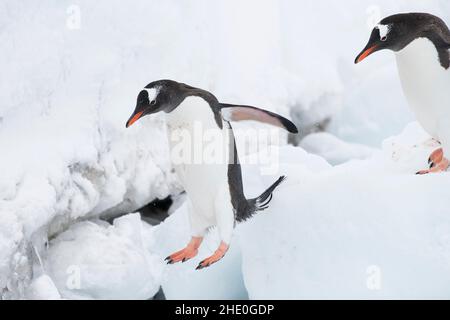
(213, 185)
(421, 43)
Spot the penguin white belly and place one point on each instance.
(199, 153)
(426, 85)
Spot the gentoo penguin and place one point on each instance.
(213, 185)
(421, 42)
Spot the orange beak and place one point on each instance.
(134, 118)
(365, 54)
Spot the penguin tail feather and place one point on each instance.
(261, 203)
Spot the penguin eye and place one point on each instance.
(383, 38)
(153, 102)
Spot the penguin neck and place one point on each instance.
(199, 99)
(419, 66)
(430, 45)
(193, 110)
(425, 82)
(421, 52)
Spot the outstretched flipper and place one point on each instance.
(232, 112)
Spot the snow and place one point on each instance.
(335, 231)
(333, 149)
(63, 116)
(102, 261)
(43, 288)
(71, 73)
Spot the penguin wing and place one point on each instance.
(232, 112)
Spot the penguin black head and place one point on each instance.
(397, 31)
(161, 95)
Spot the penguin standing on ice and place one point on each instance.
(214, 186)
(421, 42)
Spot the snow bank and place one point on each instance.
(62, 120)
(364, 229)
(102, 261)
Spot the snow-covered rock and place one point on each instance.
(102, 261)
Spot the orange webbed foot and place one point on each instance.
(438, 163)
(436, 157)
(187, 253)
(218, 254)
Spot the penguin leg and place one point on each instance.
(187, 253)
(218, 254)
(225, 224)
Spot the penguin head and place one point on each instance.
(157, 96)
(397, 31)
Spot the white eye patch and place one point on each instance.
(152, 93)
(384, 30)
